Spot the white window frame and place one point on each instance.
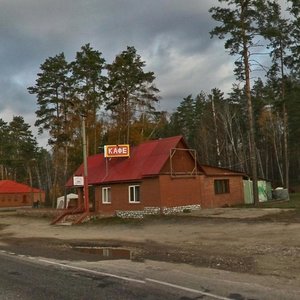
(133, 188)
(106, 195)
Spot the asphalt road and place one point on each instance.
(30, 280)
(26, 277)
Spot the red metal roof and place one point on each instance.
(217, 171)
(10, 186)
(146, 159)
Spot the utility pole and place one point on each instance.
(85, 172)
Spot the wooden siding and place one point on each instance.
(182, 161)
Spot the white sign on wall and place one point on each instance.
(78, 181)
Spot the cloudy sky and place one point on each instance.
(172, 37)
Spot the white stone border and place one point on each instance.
(139, 214)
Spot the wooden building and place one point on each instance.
(160, 176)
(14, 194)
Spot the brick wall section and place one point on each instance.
(22, 199)
(179, 191)
(162, 191)
(209, 199)
(149, 192)
(98, 195)
(166, 192)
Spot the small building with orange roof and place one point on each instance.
(14, 194)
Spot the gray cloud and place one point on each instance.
(172, 36)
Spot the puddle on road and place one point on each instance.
(106, 253)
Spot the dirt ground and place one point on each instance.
(254, 241)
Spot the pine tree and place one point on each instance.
(131, 91)
(240, 24)
(54, 114)
(52, 90)
(88, 90)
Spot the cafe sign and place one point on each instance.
(116, 150)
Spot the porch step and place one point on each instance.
(67, 216)
(71, 219)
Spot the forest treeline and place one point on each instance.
(254, 128)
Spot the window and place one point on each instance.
(106, 195)
(134, 194)
(221, 186)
